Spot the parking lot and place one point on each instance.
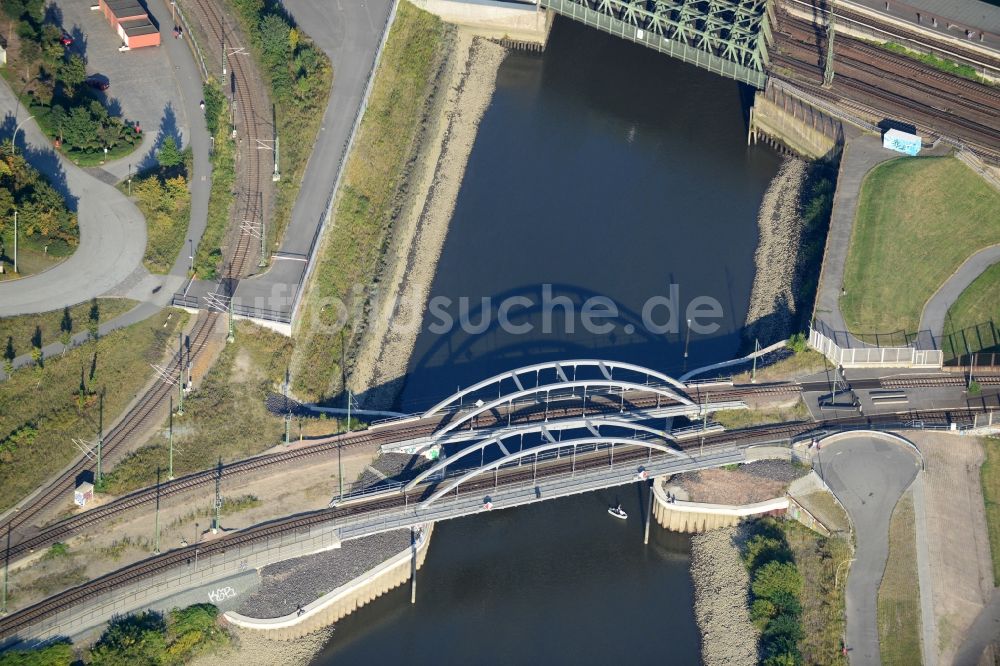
(142, 80)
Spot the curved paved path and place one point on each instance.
(936, 309)
(868, 476)
(862, 153)
(112, 231)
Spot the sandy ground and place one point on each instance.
(184, 518)
(420, 233)
(728, 638)
(251, 648)
(772, 299)
(957, 542)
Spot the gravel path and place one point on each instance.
(291, 583)
(721, 604)
(772, 299)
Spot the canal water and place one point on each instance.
(601, 169)
(604, 169)
(560, 582)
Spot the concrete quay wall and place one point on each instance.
(698, 517)
(344, 600)
(502, 21)
(795, 124)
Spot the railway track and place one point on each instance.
(245, 96)
(889, 83)
(66, 528)
(143, 413)
(394, 499)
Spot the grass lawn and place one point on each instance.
(899, 594)
(745, 418)
(29, 262)
(973, 320)
(22, 328)
(918, 220)
(41, 410)
(224, 417)
(817, 558)
(354, 243)
(989, 476)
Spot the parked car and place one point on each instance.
(65, 40)
(98, 83)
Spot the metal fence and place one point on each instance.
(874, 357)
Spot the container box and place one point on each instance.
(84, 493)
(901, 142)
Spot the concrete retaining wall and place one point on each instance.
(795, 124)
(342, 601)
(699, 517)
(495, 20)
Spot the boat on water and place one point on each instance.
(618, 512)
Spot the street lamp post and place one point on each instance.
(16, 130)
(191, 253)
(15, 241)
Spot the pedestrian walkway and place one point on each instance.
(936, 309)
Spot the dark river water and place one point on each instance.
(601, 169)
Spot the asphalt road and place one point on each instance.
(350, 33)
(868, 476)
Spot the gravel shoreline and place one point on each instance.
(395, 323)
(292, 583)
(773, 297)
(721, 605)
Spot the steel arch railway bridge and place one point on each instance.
(728, 37)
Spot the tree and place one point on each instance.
(72, 72)
(776, 578)
(169, 156)
(66, 328)
(131, 640)
(94, 319)
(8, 357)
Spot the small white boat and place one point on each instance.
(618, 512)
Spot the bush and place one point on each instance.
(57, 654)
(42, 214)
(776, 585)
(131, 640)
(798, 343)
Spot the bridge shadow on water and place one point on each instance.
(463, 355)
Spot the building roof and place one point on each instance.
(139, 27)
(968, 14)
(125, 8)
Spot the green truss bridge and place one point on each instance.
(728, 37)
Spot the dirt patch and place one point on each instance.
(745, 484)
(420, 233)
(957, 542)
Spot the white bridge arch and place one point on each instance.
(594, 426)
(510, 398)
(562, 377)
(446, 488)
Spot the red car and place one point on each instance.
(65, 40)
(98, 83)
